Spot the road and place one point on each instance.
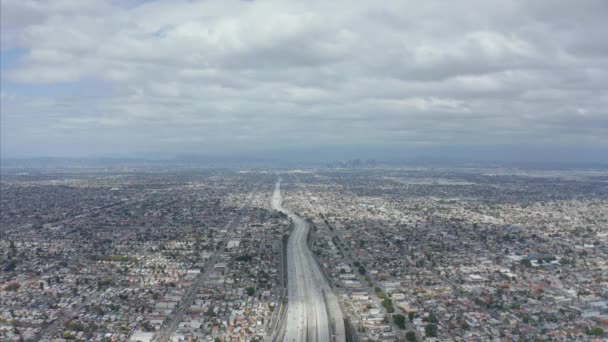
(308, 315)
(187, 300)
(371, 287)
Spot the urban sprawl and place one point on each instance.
(406, 254)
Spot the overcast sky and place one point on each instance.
(126, 77)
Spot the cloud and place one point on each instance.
(178, 76)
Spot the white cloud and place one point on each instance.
(170, 74)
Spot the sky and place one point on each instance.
(117, 78)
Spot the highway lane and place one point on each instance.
(308, 316)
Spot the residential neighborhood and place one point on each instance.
(410, 255)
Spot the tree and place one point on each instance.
(250, 291)
(597, 331)
(12, 287)
(388, 305)
(361, 270)
(526, 262)
(10, 266)
(75, 325)
(431, 330)
(410, 336)
(411, 316)
(244, 258)
(399, 321)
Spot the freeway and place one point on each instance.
(308, 314)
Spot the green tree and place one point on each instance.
(399, 321)
(597, 331)
(361, 270)
(250, 291)
(379, 293)
(410, 336)
(431, 330)
(244, 258)
(75, 325)
(388, 305)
